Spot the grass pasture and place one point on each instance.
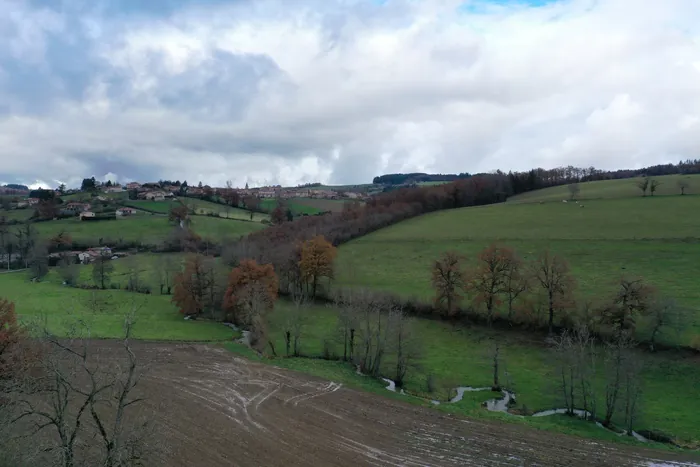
(147, 229)
(655, 238)
(157, 317)
(159, 207)
(201, 207)
(610, 189)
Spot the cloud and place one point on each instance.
(339, 91)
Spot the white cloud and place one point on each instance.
(342, 91)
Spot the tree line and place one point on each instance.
(501, 286)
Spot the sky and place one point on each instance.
(339, 91)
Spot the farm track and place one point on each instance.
(216, 409)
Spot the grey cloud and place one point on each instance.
(341, 91)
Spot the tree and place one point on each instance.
(47, 209)
(617, 352)
(192, 286)
(77, 395)
(404, 344)
(278, 215)
(26, 237)
(317, 259)
(347, 321)
(552, 273)
(88, 184)
(574, 190)
(516, 283)
(575, 353)
(179, 214)
(252, 290)
(164, 272)
(39, 261)
(683, 184)
(102, 269)
(653, 185)
(448, 281)
(489, 278)
(294, 322)
(4, 237)
(62, 188)
(69, 270)
(663, 314)
(11, 334)
(643, 185)
(632, 299)
(252, 203)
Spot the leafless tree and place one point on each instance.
(73, 384)
(552, 273)
(294, 322)
(516, 283)
(631, 388)
(69, 270)
(102, 269)
(347, 321)
(574, 190)
(26, 237)
(616, 356)
(683, 184)
(663, 314)
(633, 299)
(576, 362)
(643, 184)
(39, 260)
(133, 274)
(653, 185)
(404, 344)
(373, 331)
(164, 271)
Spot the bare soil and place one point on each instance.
(216, 409)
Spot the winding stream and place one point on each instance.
(501, 405)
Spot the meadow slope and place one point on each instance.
(657, 238)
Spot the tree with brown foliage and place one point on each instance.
(488, 280)
(633, 298)
(252, 288)
(551, 272)
(11, 333)
(191, 286)
(61, 241)
(317, 259)
(448, 280)
(517, 283)
(47, 209)
(179, 214)
(278, 215)
(252, 203)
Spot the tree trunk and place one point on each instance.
(352, 342)
(496, 385)
(551, 311)
(287, 339)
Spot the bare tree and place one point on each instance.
(26, 237)
(102, 269)
(69, 270)
(663, 314)
(616, 353)
(75, 385)
(643, 184)
(373, 331)
(516, 283)
(448, 281)
(574, 190)
(347, 321)
(552, 273)
(632, 389)
(133, 274)
(576, 362)
(633, 299)
(39, 261)
(683, 184)
(294, 323)
(164, 273)
(653, 185)
(404, 344)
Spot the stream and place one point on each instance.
(501, 405)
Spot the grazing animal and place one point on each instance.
(582, 205)
(563, 201)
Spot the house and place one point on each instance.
(125, 211)
(91, 254)
(76, 208)
(33, 201)
(86, 214)
(133, 186)
(113, 189)
(153, 196)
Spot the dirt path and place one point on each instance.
(221, 410)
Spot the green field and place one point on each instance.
(298, 206)
(160, 207)
(147, 229)
(20, 215)
(608, 189)
(655, 238)
(458, 355)
(156, 318)
(201, 207)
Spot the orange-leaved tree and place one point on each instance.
(488, 279)
(11, 333)
(317, 258)
(191, 286)
(448, 282)
(551, 272)
(251, 291)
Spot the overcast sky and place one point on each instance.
(339, 91)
